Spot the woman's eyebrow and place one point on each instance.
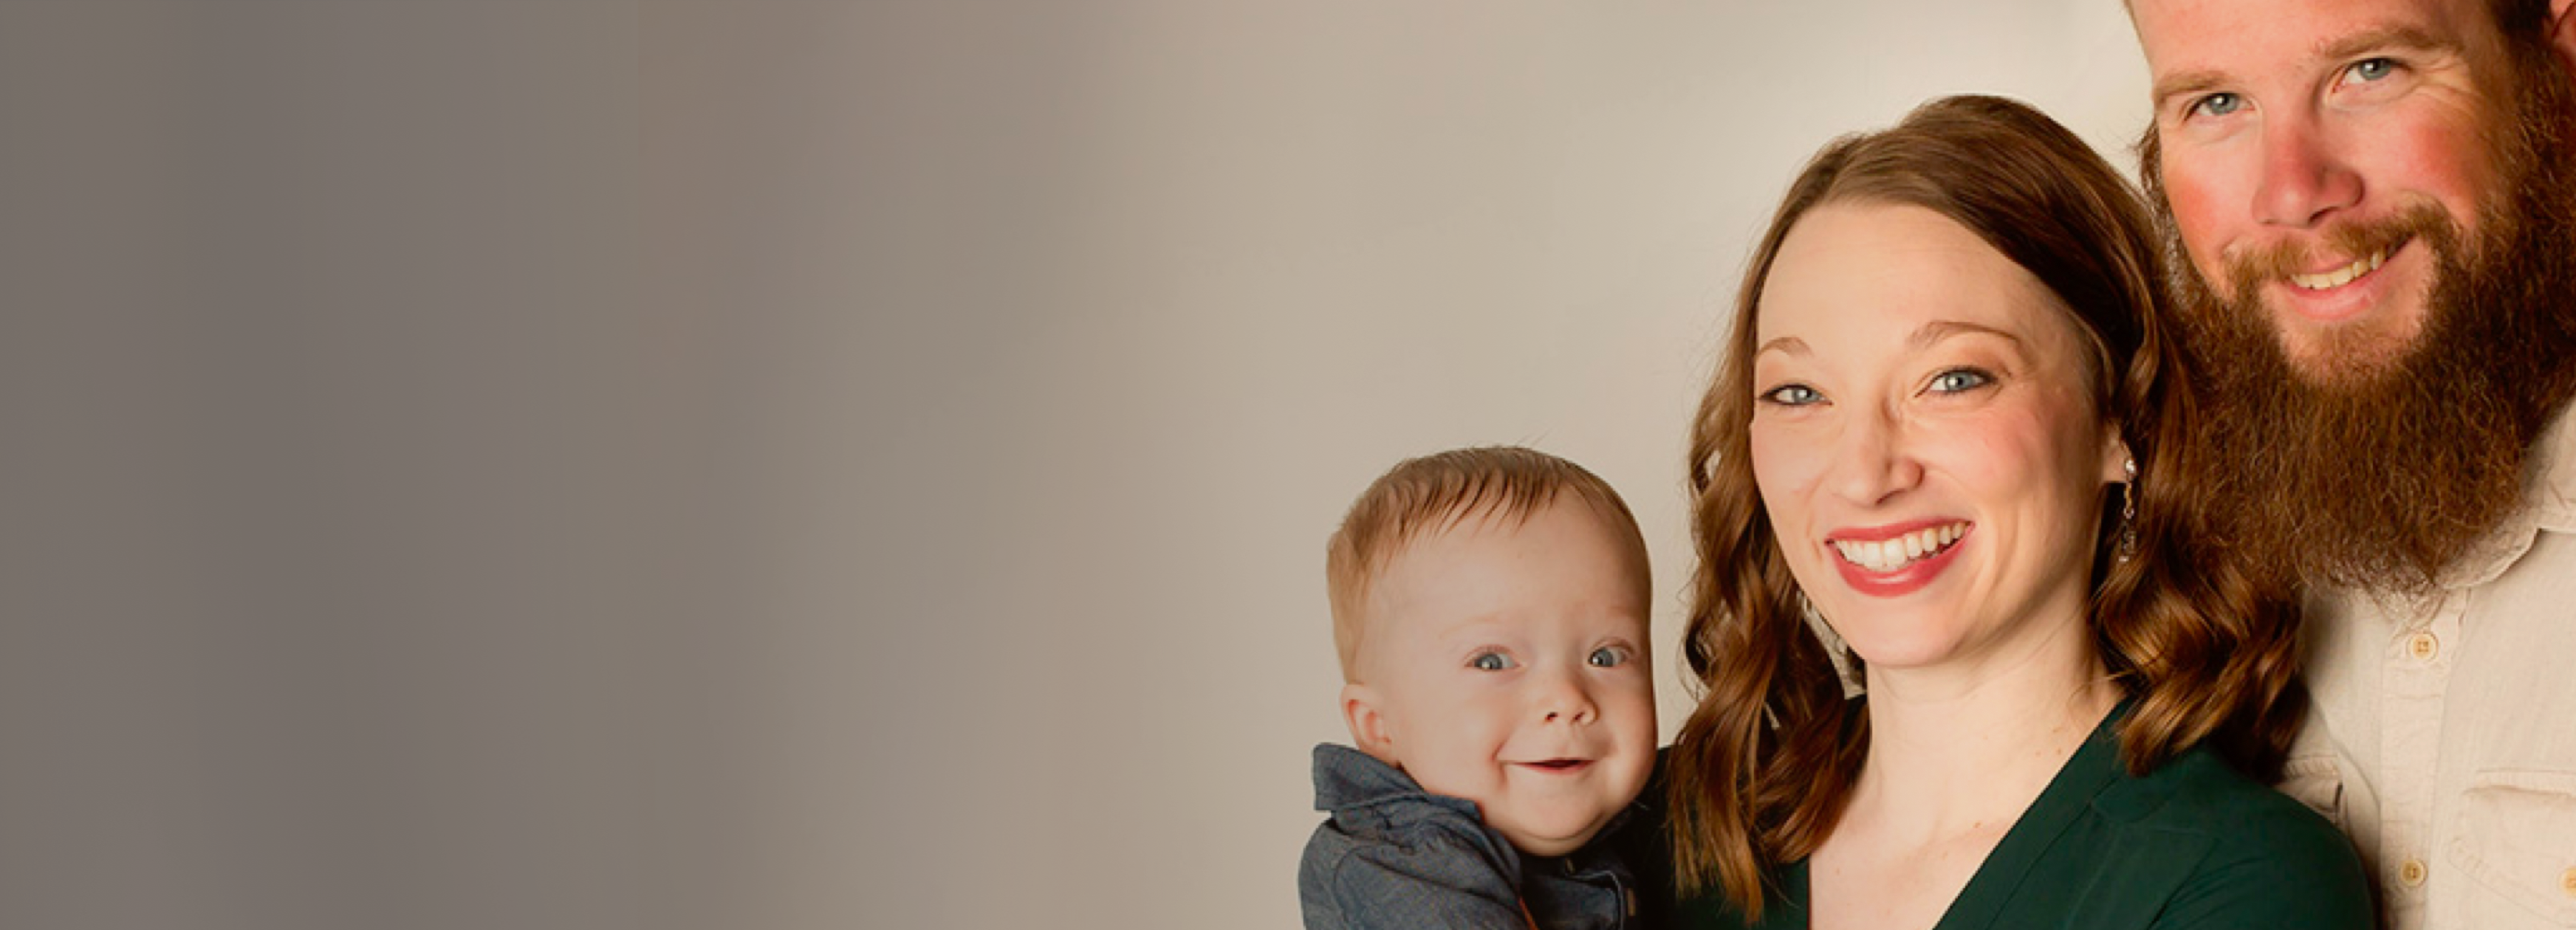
(1924, 336)
(1938, 330)
(1788, 344)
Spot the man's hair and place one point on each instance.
(2522, 20)
(1435, 493)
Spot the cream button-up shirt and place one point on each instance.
(2442, 735)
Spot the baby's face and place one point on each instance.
(1506, 664)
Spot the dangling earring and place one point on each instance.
(2128, 545)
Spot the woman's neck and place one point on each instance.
(1957, 750)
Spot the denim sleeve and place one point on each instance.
(1439, 874)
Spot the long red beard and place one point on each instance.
(2381, 472)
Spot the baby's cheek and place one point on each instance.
(1636, 726)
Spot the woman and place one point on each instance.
(1944, 437)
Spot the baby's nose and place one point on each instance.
(1568, 704)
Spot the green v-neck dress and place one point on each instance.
(2192, 844)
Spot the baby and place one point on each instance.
(1490, 610)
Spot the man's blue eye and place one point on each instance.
(1490, 661)
(2219, 104)
(1959, 379)
(2372, 69)
(1608, 657)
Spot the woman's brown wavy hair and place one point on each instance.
(1762, 768)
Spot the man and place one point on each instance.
(2375, 199)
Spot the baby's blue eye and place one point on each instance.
(2218, 104)
(1608, 657)
(1490, 661)
(1960, 379)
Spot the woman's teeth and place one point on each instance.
(1888, 555)
(2340, 276)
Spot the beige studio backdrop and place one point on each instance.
(1166, 284)
(571, 463)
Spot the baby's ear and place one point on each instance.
(1368, 727)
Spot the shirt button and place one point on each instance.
(2567, 881)
(2411, 873)
(2423, 647)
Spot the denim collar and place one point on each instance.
(1368, 797)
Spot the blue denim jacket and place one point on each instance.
(1395, 856)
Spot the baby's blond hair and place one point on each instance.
(1436, 492)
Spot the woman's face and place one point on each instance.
(1925, 439)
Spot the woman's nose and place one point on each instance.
(1872, 461)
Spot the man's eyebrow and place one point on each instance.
(2398, 38)
(2381, 38)
(2186, 84)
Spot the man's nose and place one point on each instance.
(2304, 178)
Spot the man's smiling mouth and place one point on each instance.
(2328, 280)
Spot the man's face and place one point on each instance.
(2306, 148)
(2376, 197)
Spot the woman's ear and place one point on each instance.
(2116, 460)
(1368, 727)
(2562, 31)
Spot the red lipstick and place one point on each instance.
(1907, 578)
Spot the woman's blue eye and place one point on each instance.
(2218, 104)
(1960, 379)
(2371, 69)
(1490, 661)
(1608, 657)
(1792, 395)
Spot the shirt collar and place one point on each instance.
(2549, 503)
(2553, 491)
